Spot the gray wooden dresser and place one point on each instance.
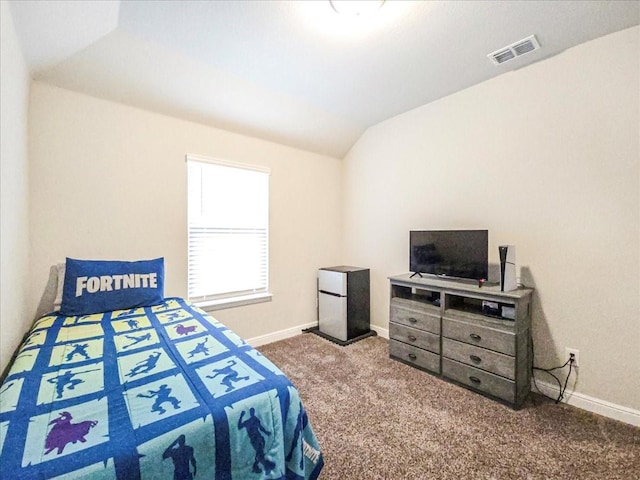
(475, 337)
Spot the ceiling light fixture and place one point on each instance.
(356, 8)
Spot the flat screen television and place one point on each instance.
(452, 253)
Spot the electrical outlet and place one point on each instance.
(576, 356)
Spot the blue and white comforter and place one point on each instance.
(150, 393)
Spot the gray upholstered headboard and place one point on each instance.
(52, 295)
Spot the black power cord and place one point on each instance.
(562, 388)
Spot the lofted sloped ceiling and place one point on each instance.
(294, 72)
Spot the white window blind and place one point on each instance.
(228, 230)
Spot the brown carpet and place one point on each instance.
(376, 418)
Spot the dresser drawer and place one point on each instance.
(415, 356)
(481, 336)
(412, 318)
(494, 362)
(480, 380)
(419, 305)
(415, 337)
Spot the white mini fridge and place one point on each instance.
(343, 302)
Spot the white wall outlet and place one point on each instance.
(576, 356)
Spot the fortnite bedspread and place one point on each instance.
(150, 393)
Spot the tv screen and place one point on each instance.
(454, 253)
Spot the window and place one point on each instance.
(228, 232)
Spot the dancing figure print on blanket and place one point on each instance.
(163, 391)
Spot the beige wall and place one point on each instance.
(545, 158)
(109, 181)
(14, 189)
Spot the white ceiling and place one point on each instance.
(294, 72)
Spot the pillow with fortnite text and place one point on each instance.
(94, 286)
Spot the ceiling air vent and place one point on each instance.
(514, 50)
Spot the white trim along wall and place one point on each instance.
(585, 402)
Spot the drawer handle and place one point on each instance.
(412, 338)
(475, 380)
(475, 358)
(412, 320)
(412, 356)
(475, 337)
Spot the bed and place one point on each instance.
(152, 392)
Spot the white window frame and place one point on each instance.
(230, 299)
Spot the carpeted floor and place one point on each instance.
(376, 418)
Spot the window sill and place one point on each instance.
(221, 304)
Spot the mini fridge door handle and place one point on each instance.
(331, 293)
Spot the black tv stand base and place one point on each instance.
(417, 273)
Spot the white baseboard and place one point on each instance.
(279, 335)
(591, 404)
(293, 331)
(383, 332)
(580, 400)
